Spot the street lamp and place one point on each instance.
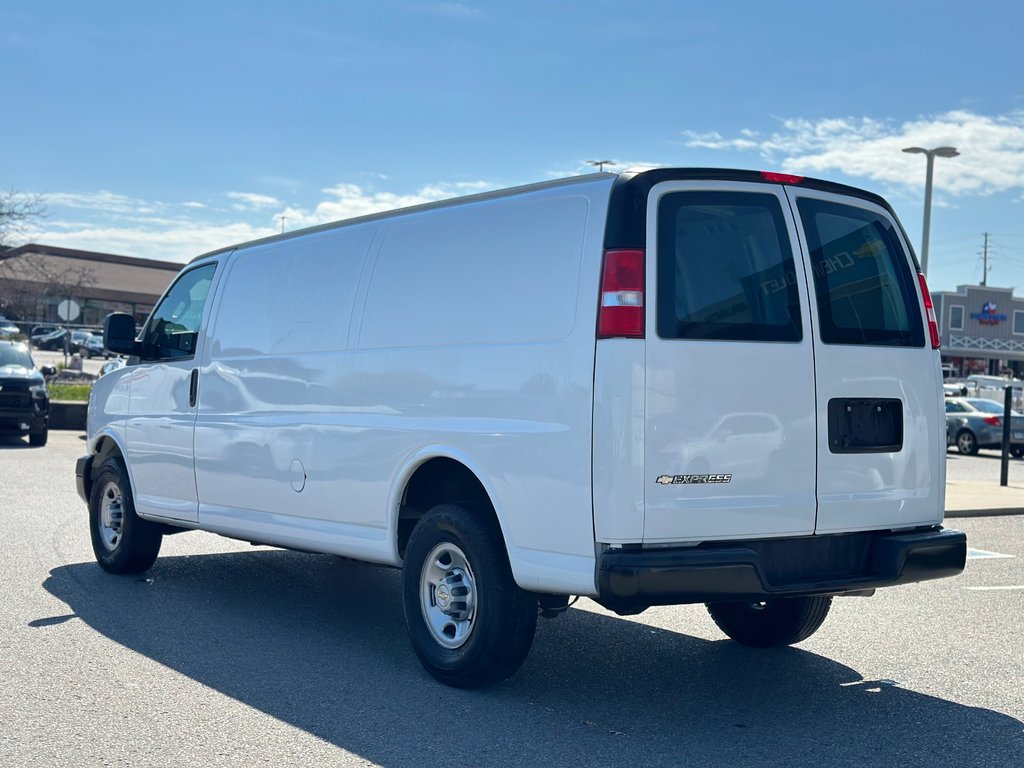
(600, 164)
(930, 154)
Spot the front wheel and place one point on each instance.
(121, 540)
(768, 623)
(1017, 451)
(38, 439)
(469, 623)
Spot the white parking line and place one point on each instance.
(986, 589)
(983, 554)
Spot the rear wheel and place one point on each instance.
(121, 540)
(38, 439)
(1017, 451)
(469, 623)
(782, 621)
(966, 442)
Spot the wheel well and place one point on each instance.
(105, 448)
(435, 482)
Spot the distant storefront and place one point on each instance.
(35, 279)
(982, 330)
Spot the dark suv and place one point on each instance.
(24, 403)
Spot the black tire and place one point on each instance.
(1016, 451)
(472, 644)
(782, 621)
(966, 442)
(38, 439)
(122, 541)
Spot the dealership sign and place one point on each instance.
(988, 314)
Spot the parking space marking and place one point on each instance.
(1005, 586)
(984, 554)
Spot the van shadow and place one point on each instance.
(319, 643)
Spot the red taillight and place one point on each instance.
(994, 421)
(782, 178)
(929, 309)
(621, 312)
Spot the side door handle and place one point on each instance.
(193, 388)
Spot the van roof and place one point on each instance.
(626, 226)
(451, 201)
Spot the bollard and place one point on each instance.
(1004, 473)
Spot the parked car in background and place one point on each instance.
(53, 340)
(973, 423)
(38, 331)
(7, 328)
(955, 389)
(79, 339)
(24, 401)
(93, 347)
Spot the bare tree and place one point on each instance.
(18, 211)
(29, 277)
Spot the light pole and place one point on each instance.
(930, 154)
(600, 164)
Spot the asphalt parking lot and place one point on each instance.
(228, 654)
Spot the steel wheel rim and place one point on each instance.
(448, 595)
(110, 521)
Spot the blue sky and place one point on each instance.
(165, 130)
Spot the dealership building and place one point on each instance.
(981, 329)
(35, 280)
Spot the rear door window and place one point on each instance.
(725, 268)
(865, 290)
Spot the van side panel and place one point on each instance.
(271, 442)
(479, 333)
(473, 336)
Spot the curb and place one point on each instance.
(68, 415)
(994, 512)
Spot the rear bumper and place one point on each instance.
(756, 570)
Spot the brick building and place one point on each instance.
(35, 278)
(982, 329)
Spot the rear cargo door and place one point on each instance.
(730, 432)
(880, 448)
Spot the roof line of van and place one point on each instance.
(627, 210)
(479, 197)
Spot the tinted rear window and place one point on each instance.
(865, 290)
(725, 268)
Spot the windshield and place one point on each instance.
(14, 357)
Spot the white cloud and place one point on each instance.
(179, 241)
(111, 223)
(346, 201)
(249, 201)
(991, 149)
(102, 201)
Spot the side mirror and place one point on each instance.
(48, 370)
(119, 334)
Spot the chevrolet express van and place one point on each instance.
(661, 387)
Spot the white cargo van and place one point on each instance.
(661, 387)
